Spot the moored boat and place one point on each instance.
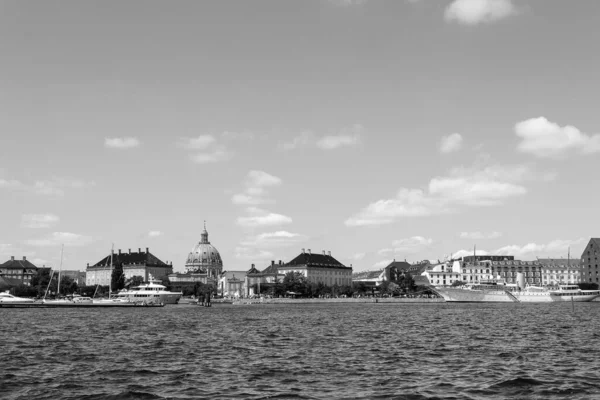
(7, 298)
(149, 293)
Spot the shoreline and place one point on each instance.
(388, 300)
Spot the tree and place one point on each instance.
(457, 283)
(117, 280)
(135, 281)
(295, 282)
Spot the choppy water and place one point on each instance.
(324, 351)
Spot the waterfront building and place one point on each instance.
(392, 272)
(18, 270)
(142, 264)
(445, 274)
(319, 268)
(560, 271)
(232, 283)
(266, 277)
(204, 257)
(589, 262)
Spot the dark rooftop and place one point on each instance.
(316, 260)
(140, 257)
(18, 264)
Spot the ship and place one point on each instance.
(499, 292)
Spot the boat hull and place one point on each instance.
(499, 296)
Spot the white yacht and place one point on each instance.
(573, 293)
(151, 292)
(7, 298)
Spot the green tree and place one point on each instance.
(134, 281)
(117, 278)
(295, 282)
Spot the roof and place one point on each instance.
(559, 261)
(401, 265)
(316, 260)
(140, 257)
(18, 264)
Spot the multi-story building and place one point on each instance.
(589, 262)
(18, 270)
(560, 271)
(319, 268)
(143, 264)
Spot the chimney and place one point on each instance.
(139, 249)
(119, 251)
(279, 262)
(252, 265)
(272, 262)
(12, 258)
(24, 258)
(88, 264)
(147, 250)
(324, 252)
(309, 252)
(329, 253)
(302, 251)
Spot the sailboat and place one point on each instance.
(56, 299)
(109, 300)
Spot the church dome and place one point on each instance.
(204, 257)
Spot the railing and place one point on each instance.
(512, 296)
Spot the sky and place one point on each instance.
(374, 129)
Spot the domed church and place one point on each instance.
(204, 258)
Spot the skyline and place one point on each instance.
(376, 130)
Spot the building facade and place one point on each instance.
(143, 264)
(22, 271)
(589, 262)
(319, 268)
(560, 271)
(266, 277)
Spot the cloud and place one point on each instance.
(411, 245)
(198, 143)
(58, 238)
(357, 256)
(255, 192)
(381, 264)
(274, 239)
(475, 186)
(451, 143)
(474, 12)
(480, 235)
(347, 3)
(121, 143)
(543, 138)
(154, 234)
(260, 218)
(39, 220)
(206, 149)
(347, 137)
(214, 156)
(250, 253)
(53, 187)
(464, 253)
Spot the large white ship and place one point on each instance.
(493, 292)
(151, 292)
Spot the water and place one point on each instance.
(322, 351)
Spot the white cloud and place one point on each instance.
(250, 253)
(260, 218)
(543, 138)
(357, 256)
(39, 220)
(411, 245)
(214, 156)
(473, 12)
(206, 149)
(121, 143)
(58, 238)
(198, 143)
(347, 137)
(274, 239)
(475, 186)
(464, 253)
(53, 187)
(451, 143)
(255, 192)
(153, 234)
(381, 264)
(480, 235)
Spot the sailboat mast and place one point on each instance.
(112, 249)
(59, 269)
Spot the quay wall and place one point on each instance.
(340, 300)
